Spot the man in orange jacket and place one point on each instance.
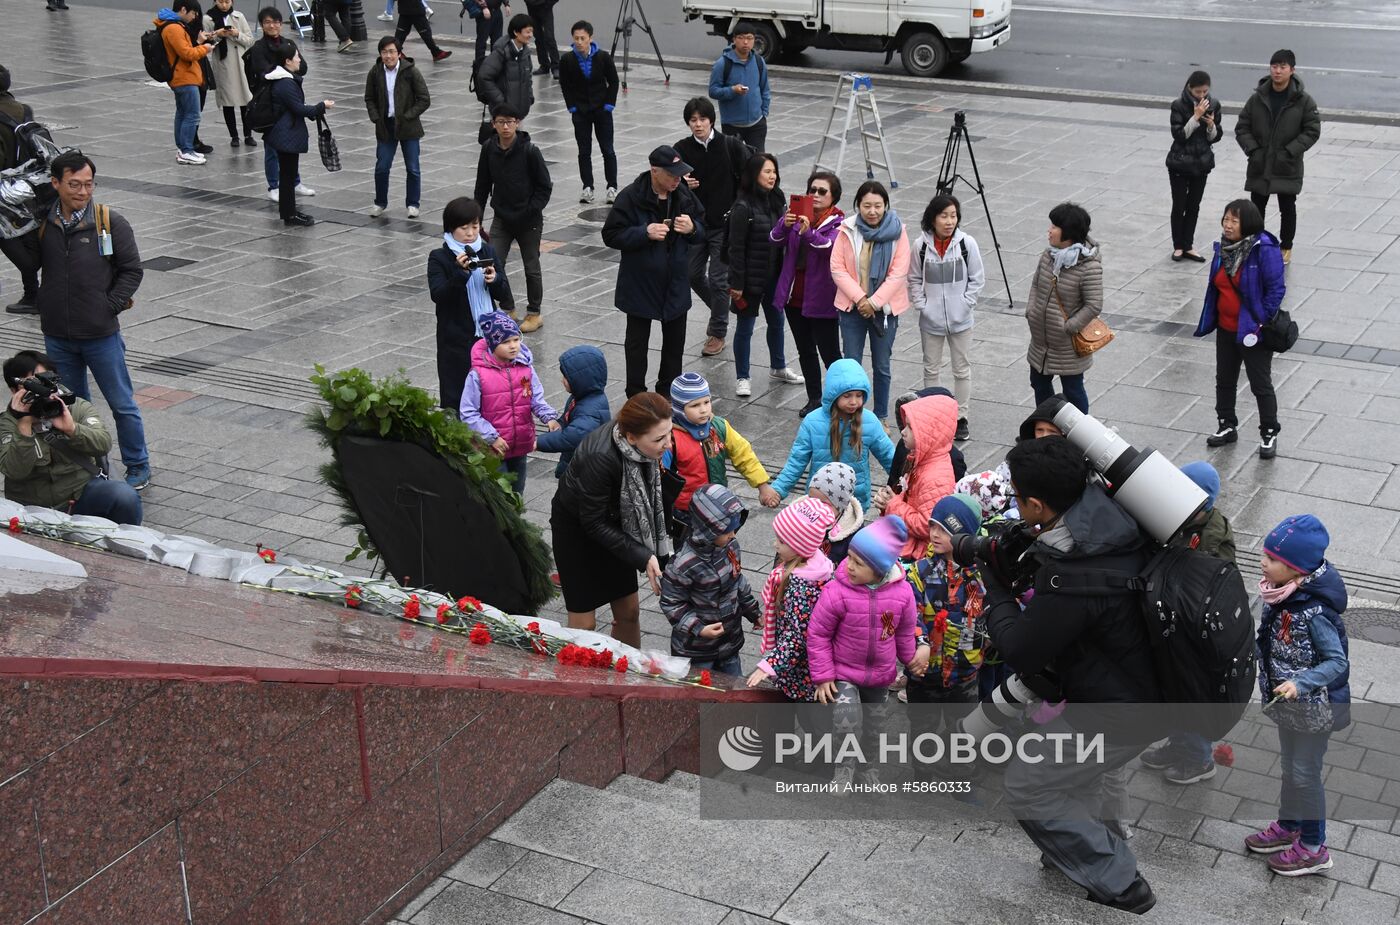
(187, 74)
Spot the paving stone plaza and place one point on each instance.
(235, 309)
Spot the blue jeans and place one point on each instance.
(730, 666)
(1075, 392)
(854, 330)
(112, 499)
(1301, 792)
(186, 117)
(270, 167)
(1192, 748)
(384, 159)
(743, 337)
(106, 357)
(516, 469)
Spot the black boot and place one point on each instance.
(1227, 433)
(299, 218)
(249, 141)
(201, 147)
(1136, 899)
(962, 432)
(1268, 443)
(28, 304)
(233, 141)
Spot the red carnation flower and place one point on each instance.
(468, 604)
(480, 635)
(411, 607)
(533, 627)
(620, 665)
(705, 677)
(1223, 755)
(14, 525)
(268, 555)
(352, 596)
(444, 613)
(605, 658)
(539, 646)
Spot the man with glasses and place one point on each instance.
(512, 175)
(257, 62)
(91, 269)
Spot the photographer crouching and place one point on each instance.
(52, 445)
(1093, 643)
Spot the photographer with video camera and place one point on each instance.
(53, 444)
(1094, 643)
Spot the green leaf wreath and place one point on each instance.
(392, 409)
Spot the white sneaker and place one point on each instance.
(376, 211)
(384, 17)
(586, 195)
(429, 9)
(304, 190)
(274, 195)
(192, 158)
(743, 388)
(413, 212)
(612, 193)
(787, 375)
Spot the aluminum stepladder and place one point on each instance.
(301, 15)
(860, 103)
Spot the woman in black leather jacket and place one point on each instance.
(1196, 128)
(607, 519)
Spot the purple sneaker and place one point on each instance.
(1274, 838)
(1296, 861)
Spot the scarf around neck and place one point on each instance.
(1232, 255)
(882, 237)
(478, 297)
(221, 20)
(1066, 257)
(1274, 595)
(643, 516)
(817, 569)
(700, 432)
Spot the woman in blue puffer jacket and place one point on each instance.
(1245, 291)
(288, 135)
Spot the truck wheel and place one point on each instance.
(924, 54)
(765, 40)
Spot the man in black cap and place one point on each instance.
(655, 222)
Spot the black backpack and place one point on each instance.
(729, 69)
(1199, 625)
(154, 55)
(262, 110)
(32, 140)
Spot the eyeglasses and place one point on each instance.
(818, 190)
(505, 122)
(78, 185)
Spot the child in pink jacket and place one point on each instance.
(863, 626)
(870, 266)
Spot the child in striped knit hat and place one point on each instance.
(790, 593)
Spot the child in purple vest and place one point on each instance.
(503, 394)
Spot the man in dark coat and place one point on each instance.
(546, 46)
(655, 222)
(512, 175)
(257, 62)
(505, 75)
(91, 270)
(22, 251)
(1095, 647)
(1277, 124)
(588, 81)
(396, 96)
(413, 14)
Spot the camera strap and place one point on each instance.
(1051, 579)
(85, 462)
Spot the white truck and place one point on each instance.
(928, 34)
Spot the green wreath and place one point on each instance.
(392, 409)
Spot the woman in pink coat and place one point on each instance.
(870, 266)
(863, 626)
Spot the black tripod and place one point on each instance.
(948, 176)
(625, 22)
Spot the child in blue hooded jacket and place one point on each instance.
(1304, 677)
(585, 372)
(841, 430)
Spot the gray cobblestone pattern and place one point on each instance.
(225, 332)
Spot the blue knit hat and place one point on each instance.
(497, 328)
(957, 514)
(880, 543)
(1206, 479)
(1299, 542)
(686, 388)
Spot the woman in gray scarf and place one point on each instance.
(1066, 294)
(608, 520)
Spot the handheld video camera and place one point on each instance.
(478, 263)
(45, 396)
(1004, 550)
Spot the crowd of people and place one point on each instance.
(645, 492)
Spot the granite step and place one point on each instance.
(777, 869)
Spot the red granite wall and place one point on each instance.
(151, 801)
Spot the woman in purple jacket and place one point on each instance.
(805, 288)
(1244, 293)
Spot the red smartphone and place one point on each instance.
(802, 206)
